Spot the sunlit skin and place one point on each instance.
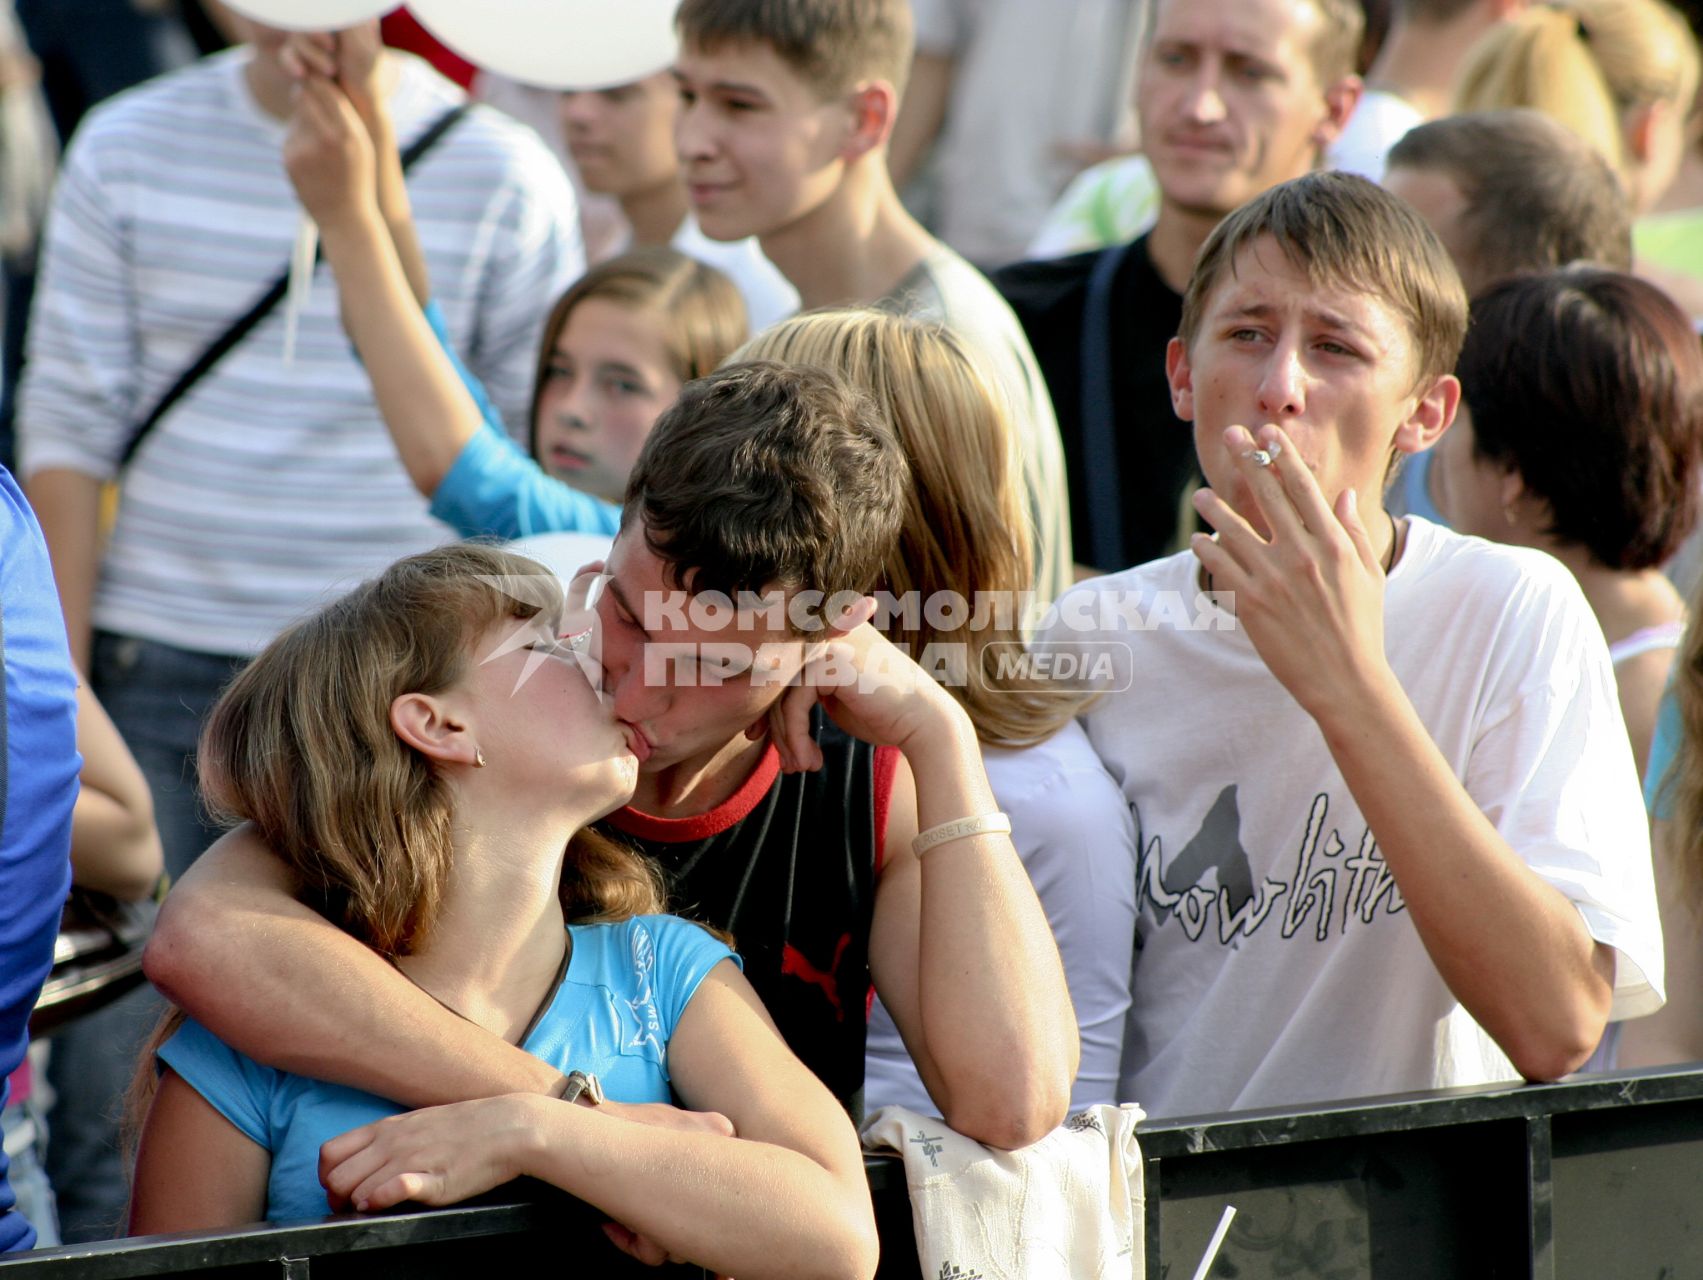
(609, 378)
(1229, 102)
(622, 138)
(692, 715)
(538, 715)
(1442, 204)
(1471, 492)
(1334, 368)
(758, 146)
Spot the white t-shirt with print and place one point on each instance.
(1276, 961)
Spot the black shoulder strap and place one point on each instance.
(241, 327)
(1099, 416)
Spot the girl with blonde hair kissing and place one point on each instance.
(958, 582)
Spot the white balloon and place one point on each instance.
(558, 44)
(311, 15)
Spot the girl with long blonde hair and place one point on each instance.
(424, 756)
(957, 589)
(1621, 74)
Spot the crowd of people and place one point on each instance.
(624, 721)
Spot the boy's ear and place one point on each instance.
(1340, 100)
(1433, 411)
(426, 724)
(1641, 125)
(874, 107)
(1181, 377)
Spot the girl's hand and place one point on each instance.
(329, 156)
(436, 1156)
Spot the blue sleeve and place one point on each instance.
(39, 765)
(495, 490)
(236, 1086)
(684, 953)
(1664, 747)
(475, 388)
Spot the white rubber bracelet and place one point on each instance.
(961, 829)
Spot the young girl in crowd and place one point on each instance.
(1620, 73)
(1580, 432)
(965, 537)
(615, 352)
(425, 755)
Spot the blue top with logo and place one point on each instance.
(623, 993)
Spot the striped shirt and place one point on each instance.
(271, 486)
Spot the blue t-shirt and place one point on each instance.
(495, 489)
(622, 996)
(38, 787)
(1664, 748)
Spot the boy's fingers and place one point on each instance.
(1259, 463)
(1300, 486)
(1236, 537)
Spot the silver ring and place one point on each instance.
(577, 642)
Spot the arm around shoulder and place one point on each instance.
(277, 981)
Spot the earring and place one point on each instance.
(478, 758)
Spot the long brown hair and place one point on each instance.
(965, 528)
(301, 745)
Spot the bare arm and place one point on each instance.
(786, 1197)
(430, 414)
(1640, 681)
(1513, 950)
(195, 1170)
(960, 949)
(1674, 1033)
(354, 59)
(115, 848)
(277, 981)
(921, 113)
(68, 505)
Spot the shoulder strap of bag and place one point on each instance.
(1099, 417)
(241, 327)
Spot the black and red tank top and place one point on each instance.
(787, 865)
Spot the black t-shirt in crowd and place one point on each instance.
(787, 865)
(1155, 456)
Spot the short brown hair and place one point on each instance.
(766, 475)
(1336, 49)
(1589, 383)
(702, 311)
(1344, 231)
(833, 44)
(966, 522)
(1537, 195)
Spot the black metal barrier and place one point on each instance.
(1597, 1178)
(1593, 1179)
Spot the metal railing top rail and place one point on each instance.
(1193, 1135)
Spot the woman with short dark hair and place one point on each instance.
(1579, 433)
